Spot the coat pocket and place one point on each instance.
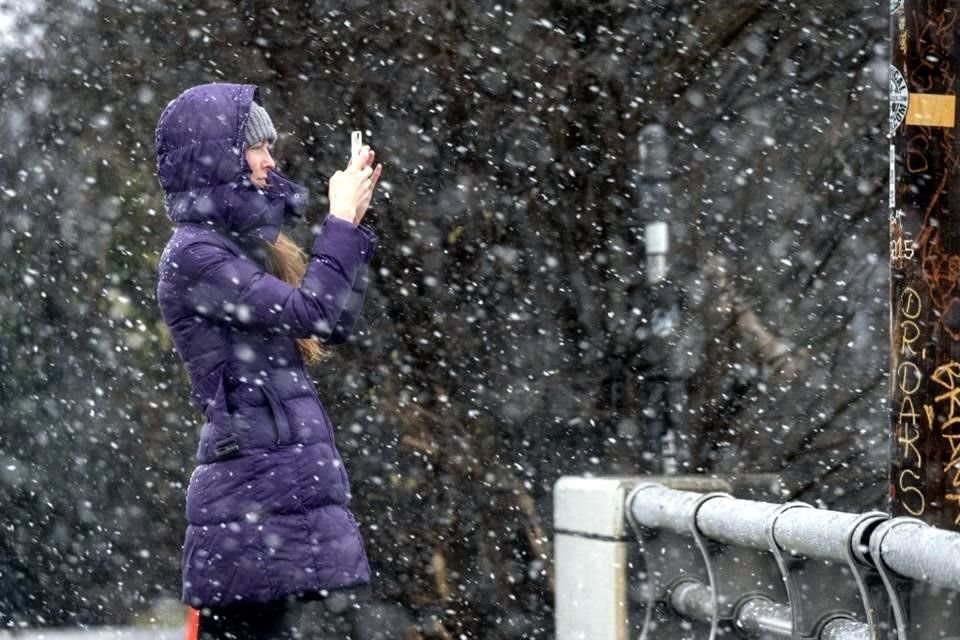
(218, 439)
(280, 421)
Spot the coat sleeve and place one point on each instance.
(234, 290)
(351, 311)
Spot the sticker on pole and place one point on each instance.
(895, 5)
(899, 99)
(932, 110)
(893, 179)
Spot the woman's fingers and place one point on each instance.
(356, 183)
(371, 183)
(370, 178)
(367, 158)
(376, 176)
(363, 158)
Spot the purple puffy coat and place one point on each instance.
(267, 505)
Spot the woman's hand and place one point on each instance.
(351, 189)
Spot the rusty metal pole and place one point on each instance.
(925, 261)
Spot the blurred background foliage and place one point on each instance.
(510, 335)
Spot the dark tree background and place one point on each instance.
(510, 336)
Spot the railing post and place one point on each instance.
(591, 538)
(925, 262)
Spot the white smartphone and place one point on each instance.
(356, 141)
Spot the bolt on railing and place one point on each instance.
(710, 563)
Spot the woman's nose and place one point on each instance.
(268, 161)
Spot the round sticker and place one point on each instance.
(899, 98)
(895, 5)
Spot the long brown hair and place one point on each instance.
(287, 261)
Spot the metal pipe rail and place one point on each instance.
(758, 616)
(711, 565)
(910, 548)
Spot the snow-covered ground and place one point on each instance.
(96, 633)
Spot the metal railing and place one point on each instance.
(635, 557)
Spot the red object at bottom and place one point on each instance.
(193, 623)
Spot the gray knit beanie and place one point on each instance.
(259, 126)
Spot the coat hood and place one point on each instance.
(202, 170)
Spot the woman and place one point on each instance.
(267, 505)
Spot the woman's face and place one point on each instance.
(260, 162)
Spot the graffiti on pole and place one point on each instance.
(948, 428)
(909, 379)
(924, 225)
